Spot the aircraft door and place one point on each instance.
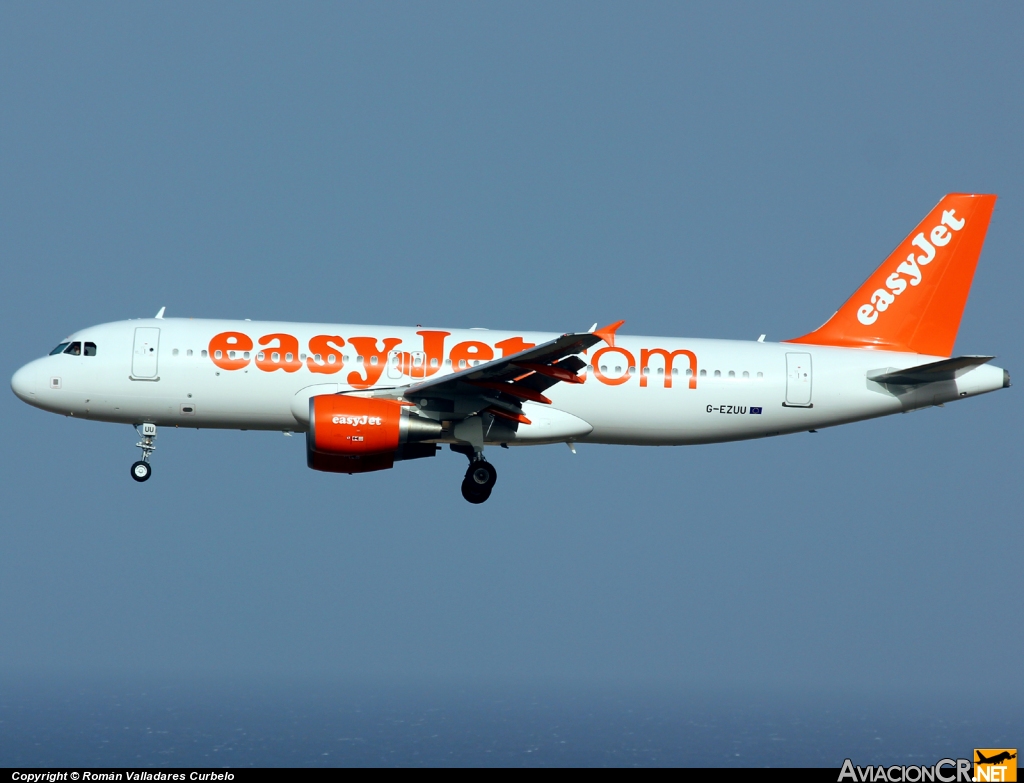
(145, 353)
(418, 371)
(798, 380)
(394, 366)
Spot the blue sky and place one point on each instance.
(704, 170)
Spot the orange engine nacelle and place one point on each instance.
(357, 434)
(353, 426)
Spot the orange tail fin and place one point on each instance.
(914, 301)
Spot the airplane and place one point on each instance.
(996, 759)
(367, 397)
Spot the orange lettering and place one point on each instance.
(433, 356)
(367, 348)
(331, 359)
(646, 354)
(227, 350)
(599, 373)
(470, 351)
(433, 347)
(283, 356)
(513, 345)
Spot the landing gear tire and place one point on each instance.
(472, 492)
(479, 481)
(482, 474)
(141, 471)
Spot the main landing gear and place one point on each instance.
(480, 476)
(479, 481)
(142, 470)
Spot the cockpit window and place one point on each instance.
(90, 349)
(75, 349)
(59, 349)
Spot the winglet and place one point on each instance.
(607, 333)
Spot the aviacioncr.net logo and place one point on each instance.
(943, 771)
(995, 765)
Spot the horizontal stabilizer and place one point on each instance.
(945, 370)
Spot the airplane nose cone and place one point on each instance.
(23, 383)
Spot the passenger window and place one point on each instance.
(732, 373)
(204, 354)
(746, 374)
(174, 352)
(90, 349)
(703, 373)
(760, 375)
(59, 349)
(75, 349)
(690, 372)
(718, 373)
(188, 352)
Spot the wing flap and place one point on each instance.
(501, 385)
(546, 357)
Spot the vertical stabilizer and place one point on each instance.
(914, 301)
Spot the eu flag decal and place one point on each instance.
(755, 410)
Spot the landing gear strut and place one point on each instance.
(479, 481)
(142, 470)
(481, 475)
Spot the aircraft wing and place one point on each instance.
(500, 386)
(945, 370)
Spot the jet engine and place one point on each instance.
(349, 434)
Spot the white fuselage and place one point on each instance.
(165, 372)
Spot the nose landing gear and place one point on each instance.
(479, 481)
(142, 470)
